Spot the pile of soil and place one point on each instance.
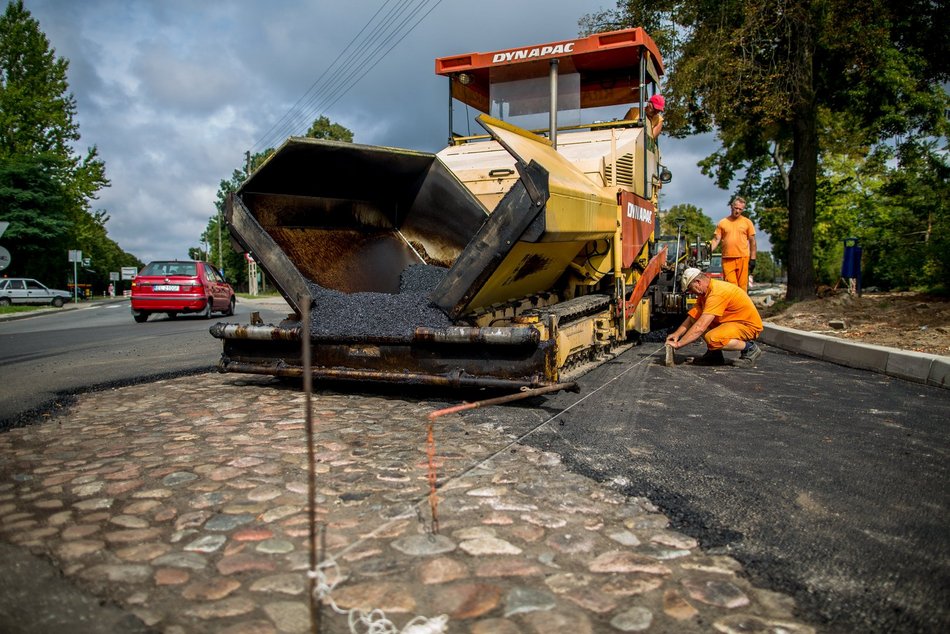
(906, 320)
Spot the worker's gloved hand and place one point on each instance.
(751, 265)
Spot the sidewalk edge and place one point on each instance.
(930, 369)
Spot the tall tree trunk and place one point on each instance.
(802, 177)
(801, 205)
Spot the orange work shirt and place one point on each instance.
(735, 236)
(728, 303)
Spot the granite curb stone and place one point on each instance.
(920, 367)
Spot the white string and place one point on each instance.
(374, 621)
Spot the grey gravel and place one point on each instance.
(337, 315)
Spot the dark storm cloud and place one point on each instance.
(173, 92)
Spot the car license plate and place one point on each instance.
(166, 287)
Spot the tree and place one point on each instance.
(691, 219)
(32, 200)
(46, 186)
(322, 128)
(91, 237)
(766, 73)
(233, 263)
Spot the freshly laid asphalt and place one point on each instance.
(181, 506)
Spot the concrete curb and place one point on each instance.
(931, 369)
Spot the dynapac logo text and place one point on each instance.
(528, 53)
(639, 213)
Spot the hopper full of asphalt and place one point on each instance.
(367, 315)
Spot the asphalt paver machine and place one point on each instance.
(511, 259)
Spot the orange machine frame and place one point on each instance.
(605, 62)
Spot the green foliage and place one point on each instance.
(216, 236)
(692, 220)
(907, 239)
(32, 200)
(220, 253)
(90, 236)
(766, 271)
(36, 112)
(322, 128)
(232, 262)
(896, 202)
(45, 188)
(791, 87)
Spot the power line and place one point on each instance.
(316, 81)
(378, 33)
(385, 53)
(293, 115)
(387, 29)
(338, 78)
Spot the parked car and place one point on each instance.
(180, 286)
(22, 290)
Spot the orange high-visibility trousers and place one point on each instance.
(736, 271)
(720, 335)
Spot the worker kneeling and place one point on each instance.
(723, 315)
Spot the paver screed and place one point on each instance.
(185, 502)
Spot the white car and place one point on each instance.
(21, 290)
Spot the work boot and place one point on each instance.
(712, 357)
(749, 355)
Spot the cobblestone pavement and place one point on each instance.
(185, 502)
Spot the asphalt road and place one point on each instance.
(46, 358)
(827, 483)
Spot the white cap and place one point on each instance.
(689, 276)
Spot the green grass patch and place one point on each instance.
(259, 295)
(12, 310)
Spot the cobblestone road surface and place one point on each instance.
(184, 503)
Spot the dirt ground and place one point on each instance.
(909, 321)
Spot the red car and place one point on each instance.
(180, 286)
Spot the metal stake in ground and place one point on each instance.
(311, 471)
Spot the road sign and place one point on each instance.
(128, 272)
(75, 256)
(4, 258)
(3, 227)
(113, 276)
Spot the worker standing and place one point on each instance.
(724, 316)
(737, 234)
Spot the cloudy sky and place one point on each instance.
(173, 92)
